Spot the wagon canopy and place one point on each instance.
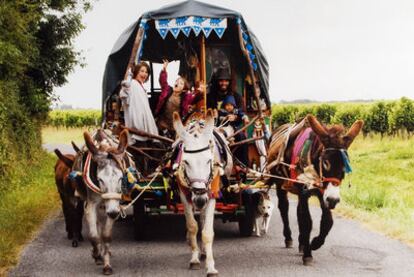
(156, 35)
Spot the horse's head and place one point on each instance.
(197, 158)
(333, 161)
(109, 171)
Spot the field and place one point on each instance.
(382, 191)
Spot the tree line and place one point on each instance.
(381, 117)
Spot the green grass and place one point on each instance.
(24, 206)
(62, 135)
(382, 191)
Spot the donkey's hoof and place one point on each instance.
(70, 235)
(316, 243)
(195, 266)
(107, 270)
(288, 243)
(74, 243)
(212, 274)
(300, 248)
(307, 260)
(203, 256)
(80, 237)
(99, 260)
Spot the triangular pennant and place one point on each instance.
(163, 32)
(163, 23)
(219, 32)
(249, 47)
(215, 22)
(252, 56)
(254, 65)
(186, 31)
(175, 32)
(198, 20)
(245, 36)
(207, 31)
(196, 30)
(181, 21)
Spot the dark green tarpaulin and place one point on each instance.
(121, 52)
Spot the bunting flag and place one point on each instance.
(248, 45)
(185, 24)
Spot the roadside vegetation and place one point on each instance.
(36, 55)
(25, 205)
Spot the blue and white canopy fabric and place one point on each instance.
(248, 44)
(186, 24)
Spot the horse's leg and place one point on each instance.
(107, 239)
(305, 228)
(325, 226)
(283, 205)
(207, 236)
(192, 229)
(94, 237)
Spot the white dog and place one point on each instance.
(263, 208)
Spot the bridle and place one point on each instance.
(188, 180)
(95, 188)
(334, 181)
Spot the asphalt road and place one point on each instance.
(350, 250)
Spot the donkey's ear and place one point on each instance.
(208, 129)
(89, 143)
(123, 141)
(317, 127)
(353, 132)
(75, 147)
(67, 160)
(178, 125)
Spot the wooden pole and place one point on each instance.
(203, 71)
(244, 127)
(250, 140)
(148, 135)
(143, 153)
(137, 46)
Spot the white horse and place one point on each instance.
(103, 172)
(198, 177)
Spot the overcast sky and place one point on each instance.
(321, 49)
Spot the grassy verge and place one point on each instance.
(62, 135)
(382, 192)
(24, 206)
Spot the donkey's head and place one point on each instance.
(110, 171)
(333, 161)
(197, 158)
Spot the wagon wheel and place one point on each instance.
(140, 219)
(246, 221)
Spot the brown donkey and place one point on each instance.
(72, 205)
(318, 153)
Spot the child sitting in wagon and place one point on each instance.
(231, 119)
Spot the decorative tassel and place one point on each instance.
(347, 163)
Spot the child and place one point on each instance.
(172, 99)
(231, 116)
